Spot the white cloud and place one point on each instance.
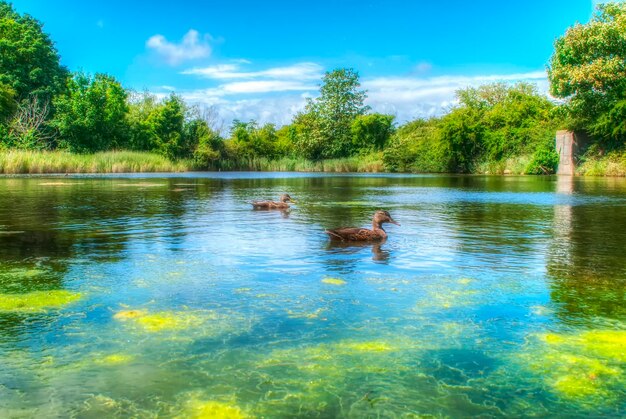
(191, 47)
(256, 87)
(278, 110)
(412, 97)
(300, 71)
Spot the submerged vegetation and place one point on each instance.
(37, 301)
(497, 128)
(586, 367)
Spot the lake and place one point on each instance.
(168, 296)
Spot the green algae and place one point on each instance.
(587, 366)
(37, 301)
(303, 314)
(334, 281)
(194, 323)
(198, 406)
(115, 359)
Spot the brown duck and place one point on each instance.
(362, 234)
(283, 204)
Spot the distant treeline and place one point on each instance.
(493, 128)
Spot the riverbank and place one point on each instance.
(610, 164)
(42, 162)
(54, 162)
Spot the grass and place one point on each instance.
(610, 164)
(371, 163)
(512, 166)
(32, 162)
(42, 162)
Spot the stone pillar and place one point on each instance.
(566, 147)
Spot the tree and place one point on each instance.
(29, 127)
(588, 68)
(325, 125)
(91, 115)
(168, 124)
(371, 132)
(29, 63)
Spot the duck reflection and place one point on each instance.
(378, 253)
(284, 212)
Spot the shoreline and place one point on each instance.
(62, 163)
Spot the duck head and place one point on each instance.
(286, 198)
(381, 217)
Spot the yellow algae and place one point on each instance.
(37, 301)
(196, 322)
(168, 321)
(198, 408)
(583, 366)
(333, 281)
(574, 386)
(129, 314)
(242, 290)
(610, 344)
(115, 359)
(372, 346)
(465, 281)
(306, 315)
(553, 338)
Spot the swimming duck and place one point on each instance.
(283, 204)
(362, 234)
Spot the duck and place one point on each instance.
(356, 234)
(282, 204)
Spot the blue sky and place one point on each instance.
(261, 59)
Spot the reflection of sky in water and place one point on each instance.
(486, 301)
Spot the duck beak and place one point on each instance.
(392, 221)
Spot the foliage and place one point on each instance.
(249, 140)
(29, 63)
(324, 129)
(371, 132)
(8, 104)
(588, 68)
(209, 146)
(91, 115)
(416, 147)
(495, 122)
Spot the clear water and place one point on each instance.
(168, 296)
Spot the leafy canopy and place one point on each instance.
(91, 115)
(589, 69)
(29, 62)
(325, 127)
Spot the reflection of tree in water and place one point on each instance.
(586, 262)
(46, 224)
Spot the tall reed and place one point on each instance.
(31, 162)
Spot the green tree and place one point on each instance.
(371, 132)
(91, 115)
(324, 128)
(168, 124)
(588, 68)
(8, 104)
(208, 144)
(29, 62)
(497, 121)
